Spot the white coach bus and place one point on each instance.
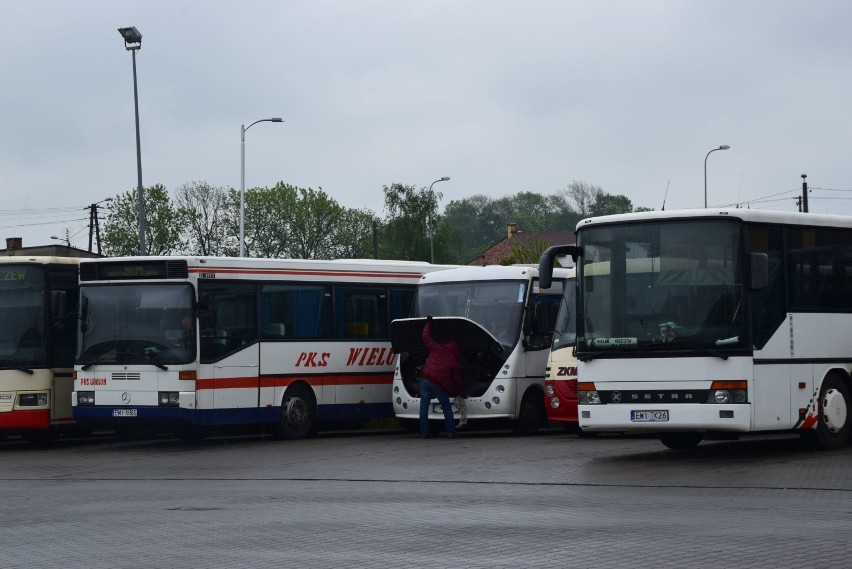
(504, 322)
(197, 343)
(715, 322)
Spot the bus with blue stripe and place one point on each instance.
(193, 344)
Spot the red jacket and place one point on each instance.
(443, 366)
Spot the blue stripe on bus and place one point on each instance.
(235, 416)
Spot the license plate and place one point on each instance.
(649, 416)
(124, 412)
(436, 408)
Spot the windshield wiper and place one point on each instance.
(92, 362)
(150, 354)
(18, 368)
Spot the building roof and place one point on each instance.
(502, 250)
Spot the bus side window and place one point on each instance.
(231, 316)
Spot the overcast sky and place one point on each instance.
(500, 96)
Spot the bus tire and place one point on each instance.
(531, 415)
(298, 413)
(681, 441)
(833, 406)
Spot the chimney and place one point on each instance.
(14, 243)
(511, 229)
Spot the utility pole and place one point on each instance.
(94, 226)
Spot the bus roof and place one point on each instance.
(491, 272)
(40, 260)
(376, 265)
(746, 215)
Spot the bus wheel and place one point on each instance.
(298, 413)
(832, 430)
(681, 441)
(531, 416)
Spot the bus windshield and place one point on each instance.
(22, 300)
(137, 324)
(661, 286)
(565, 332)
(496, 306)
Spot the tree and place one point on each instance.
(405, 233)
(583, 195)
(163, 224)
(206, 211)
(268, 216)
(608, 204)
(315, 224)
(354, 234)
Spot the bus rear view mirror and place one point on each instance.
(545, 263)
(759, 271)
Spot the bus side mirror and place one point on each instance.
(759, 271)
(545, 263)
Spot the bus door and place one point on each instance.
(539, 322)
(230, 352)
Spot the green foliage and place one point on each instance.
(405, 233)
(205, 208)
(287, 221)
(163, 224)
(608, 204)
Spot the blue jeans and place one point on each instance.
(428, 390)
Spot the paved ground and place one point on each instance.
(388, 499)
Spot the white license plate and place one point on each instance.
(124, 412)
(436, 408)
(649, 416)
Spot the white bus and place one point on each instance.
(504, 323)
(715, 322)
(199, 342)
(38, 300)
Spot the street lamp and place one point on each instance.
(133, 42)
(243, 129)
(723, 147)
(432, 221)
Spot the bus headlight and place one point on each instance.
(554, 402)
(169, 398)
(722, 392)
(588, 398)
(548, 388)
(33, 400)
(85, 398)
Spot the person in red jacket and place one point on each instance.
(441, 379)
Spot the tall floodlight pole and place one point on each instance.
(243, 129)
(723, 147)
(432, 222)
(133, 43)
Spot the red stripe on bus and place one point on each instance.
(283, 381)
(39, 419)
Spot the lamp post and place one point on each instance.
(133, 42)
(723, 147)
(243, 129)
(432, 222)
